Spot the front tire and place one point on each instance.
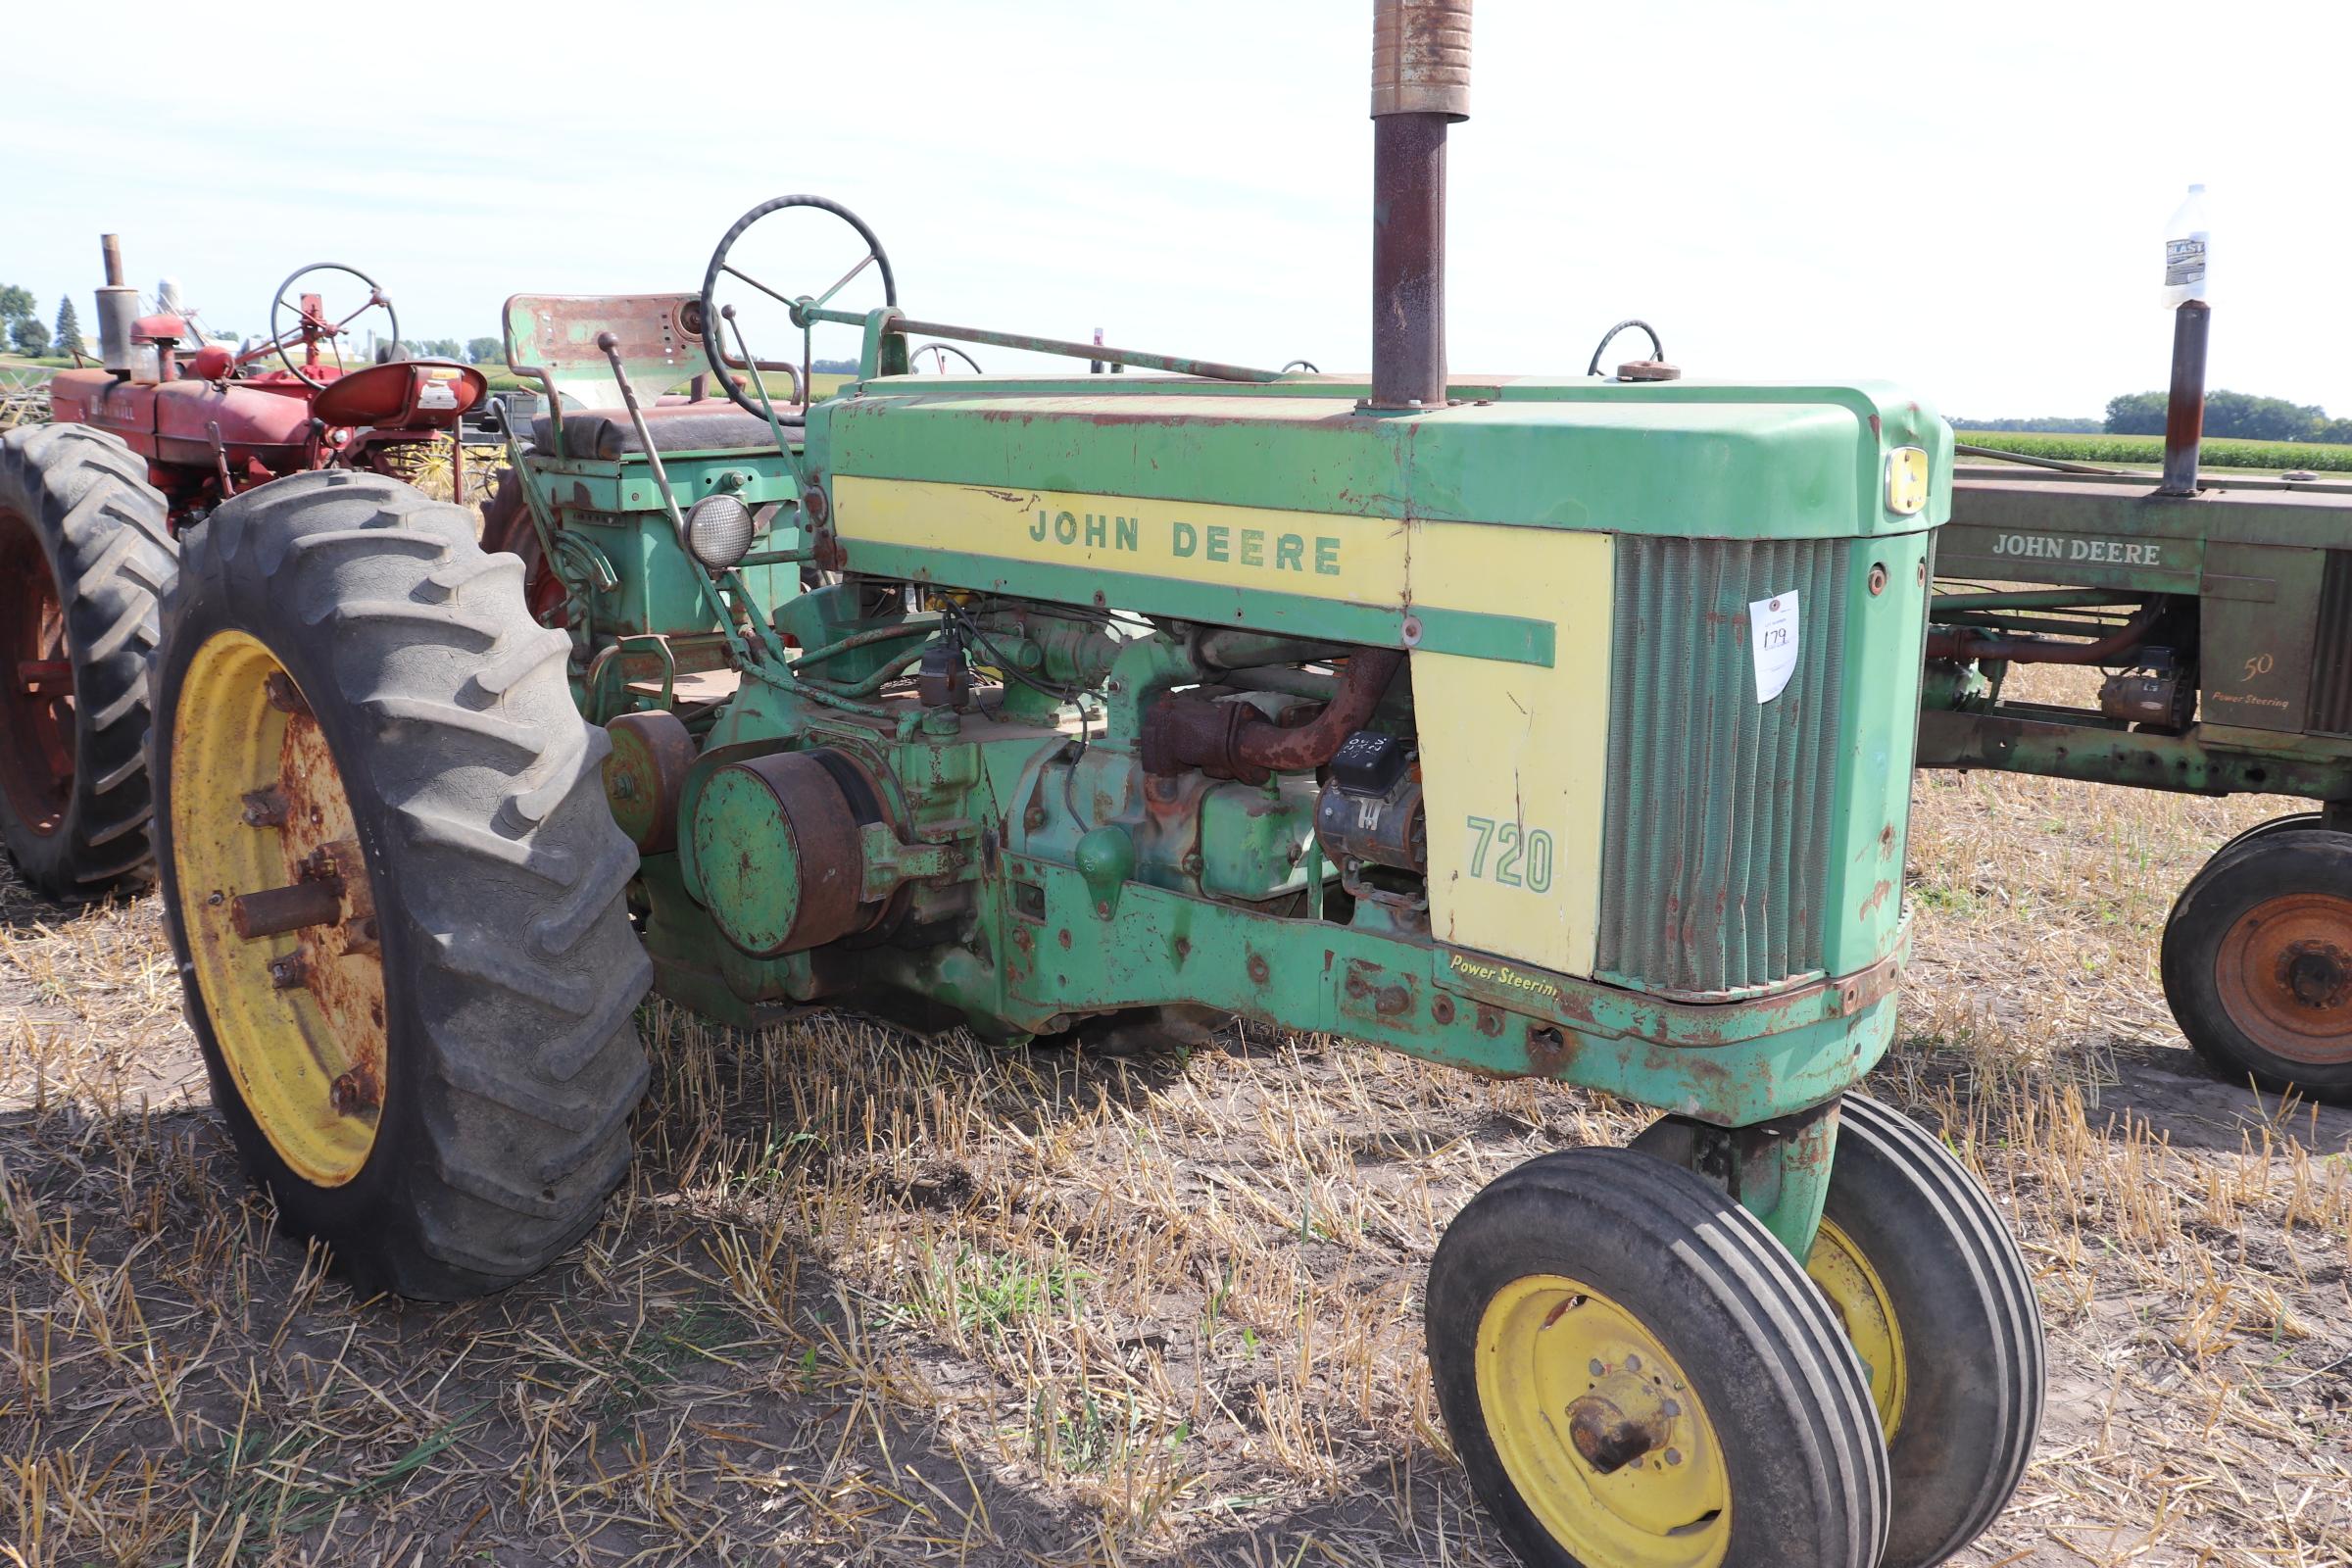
(84, 552)
(1937, 1301)
(1636, 1375)
(432, 1067)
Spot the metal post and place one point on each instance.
(1420, 84)
(1408, 261)
(2184, 411)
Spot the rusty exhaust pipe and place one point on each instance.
(2184, 404)
(1420, 85)
(1234, 740)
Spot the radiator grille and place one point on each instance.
(1717, 828)
(2331, 712)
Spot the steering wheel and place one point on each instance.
(941, 351)
(716, 347)
(308, 329)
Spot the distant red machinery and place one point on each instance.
(217, 421)
(137, 452)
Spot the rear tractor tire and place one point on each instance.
(1636, 1375)
(2258, 960)
(393, 887)
(84, 552)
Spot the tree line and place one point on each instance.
(2232, 414)
(22, 325)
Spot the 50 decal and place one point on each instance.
(1509, 855)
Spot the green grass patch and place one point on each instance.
(2149, 450)
(986, 1293)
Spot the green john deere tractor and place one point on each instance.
(1549, 728)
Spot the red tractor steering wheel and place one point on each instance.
(308, 329)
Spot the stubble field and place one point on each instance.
(866, 1299)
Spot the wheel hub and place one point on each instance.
(1621, 1420)
(1598, 1428)
(278, 908)
(2317, 973)
(2283, 974)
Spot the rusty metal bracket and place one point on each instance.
(1777, 1170)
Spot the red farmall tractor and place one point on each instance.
(89, 504)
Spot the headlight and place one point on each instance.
(718, 532)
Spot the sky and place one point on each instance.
(1966, 200)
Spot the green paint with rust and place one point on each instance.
(2245, 570)
(1038, 877)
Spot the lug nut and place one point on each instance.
(282, 694)
(289, 973)
(355, 1092)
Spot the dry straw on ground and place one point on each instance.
(868, 1300)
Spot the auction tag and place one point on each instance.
(1772, 627)
(437, 395)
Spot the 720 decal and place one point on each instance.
(1504, 854)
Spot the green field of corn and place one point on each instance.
(2149, 450)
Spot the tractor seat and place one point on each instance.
(713, 424)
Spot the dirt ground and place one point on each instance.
(867, 1301)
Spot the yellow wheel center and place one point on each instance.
(1859, 1297)
(1600, 1433)
(275, 898)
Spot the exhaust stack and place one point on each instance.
(118, 310)
(1420, 85)
(2184, 405)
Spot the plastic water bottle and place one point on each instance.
(2185, 248)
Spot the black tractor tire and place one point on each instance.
(1958, 1292)
(511, 1056)
(1794, 1432)
(87, 549)
(2296, 822)
(2257, 962)
(507, 526)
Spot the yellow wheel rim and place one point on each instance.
(1599, 1431)
(257, 806)
(1859, 1297)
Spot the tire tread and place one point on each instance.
(529, 1054)
(107, 533)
